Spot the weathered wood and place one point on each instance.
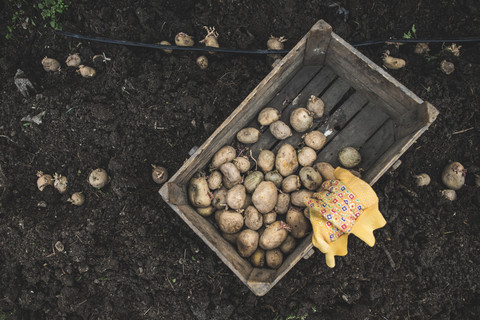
(317, 43)
(260, 280)
(363, 74)
(173, 193)
(244, 113)
(354, 134)
(412, 121)
(377, 145)
(316, 86)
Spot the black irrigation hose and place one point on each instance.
(240, 51)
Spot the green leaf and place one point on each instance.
(413, 29)
(40, 6)
(53, 24)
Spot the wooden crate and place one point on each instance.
(368, 108)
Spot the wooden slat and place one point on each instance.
(210, 235)
(244, 113)
(377, 144)
(363, 74)
(414, 120)
(355, 133)
(316, 86)
(317, 43)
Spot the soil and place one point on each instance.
(127, 255)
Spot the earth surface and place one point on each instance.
(127, 255)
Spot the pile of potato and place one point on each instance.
(258, 204)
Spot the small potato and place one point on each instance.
(453, 175)
(422, 179)
(253, 218)
(252, 181)
(269, 218)
(306, 156)
(316, 106)
(220, 198)
(275, 177)
(230, 221)
(311, 178)
(227, 183)
(349, 157)
(306, 212)
(283, 203)
(315, 139)
(184, 40)
(299, 225)
(257, 259)
(268, 116)
(231, 237)
(236, 197)
(224, 155)
(214, 180)
(280, 130)
(248, 135)
(291, 183)
(393, 63)
(297, 198)
(274, 258)
(301, 119)
(231, 173)
(266, 160)
(288, 245)
(247, 242)
(273, 236)
(242, 163)
(206, 212)
(326, 170)
(286, 161)
(198, 192)
(264, 197)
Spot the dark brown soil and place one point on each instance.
(129, 256)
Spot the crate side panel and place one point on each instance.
(365, 75)
(244, 113)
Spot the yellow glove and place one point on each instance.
(346, 205)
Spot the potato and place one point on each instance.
(349, 157)
(297, 197)
(252, 181)
(316, 106)
(266, 160)
(242, 163)
(273, 236)
(291, 183)
(214, 180)
(422, 179)
(299, 225)
(275, 177)
(230, 173)
(268, 116)
(306, 156)
(288, 245)
(220, 198)
(253, 218)
(236, 197)
(280, 130)
(315, 140)
(326, 170)
(269, 218)
(248, 135)
(230, 221)
(283, 203)
(286, 161)
(257, 259)
(231, 237)
(306, 212)
(206, 212)
(227, 183)
(198, 192)
(247, 242)
(265, 197)
(453, 175)
(224, 155)
(311, 178)
(217, 215)
(274, 258)
(301, 119)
